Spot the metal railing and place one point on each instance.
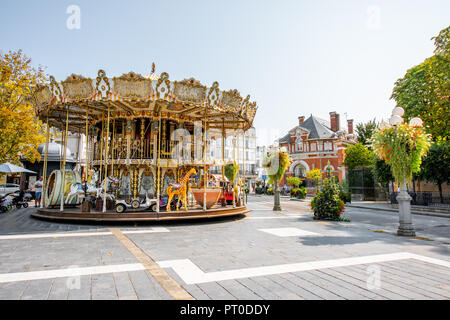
(425, 198)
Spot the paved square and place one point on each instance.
(266, 255)
(288, 232)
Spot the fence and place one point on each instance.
(426, 198)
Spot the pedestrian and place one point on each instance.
(38, 192)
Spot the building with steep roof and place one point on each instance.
(317, 144)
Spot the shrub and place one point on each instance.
(259, 190)
(327, 204)
(270, 191)
(301, 193)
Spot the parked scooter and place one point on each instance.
(21, 199)
(5, 202)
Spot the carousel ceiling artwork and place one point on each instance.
(135, 96)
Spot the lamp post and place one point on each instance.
(406, 227)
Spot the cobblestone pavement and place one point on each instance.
(266, 255)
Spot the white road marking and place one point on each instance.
(78, 234)
(275, 217)
(191, 274)
(288, 232)
(72, 272)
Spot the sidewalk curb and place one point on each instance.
(422, 213)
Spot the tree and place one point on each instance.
(365, 132)
(358, 156)
(294, 181)
(382, 172)
(424, 91)
(315, 175)
(436, 165)
(20, 130)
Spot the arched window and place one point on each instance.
(299, 170)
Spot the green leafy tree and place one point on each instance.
(294, 181)
(424, 91)
(382, 173)
(365, 132)
(436, 165)
(358, 156)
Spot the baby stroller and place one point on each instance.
(21, 200)
(5, 202)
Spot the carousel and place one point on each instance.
(146, 148)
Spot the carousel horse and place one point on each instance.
(180, 190)
(111, 182)
(76, 190)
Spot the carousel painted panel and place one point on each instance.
(71, 188)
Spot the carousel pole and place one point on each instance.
(244, 195)
(113, 143)
(205, 179)
(158, 171)
(106, 163)
(63, 182)
(223, 163)
(44, 187)
(239, 165)
(223, 150)
(101, 150)
(234, 161)
(87, 147)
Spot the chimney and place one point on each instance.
(335, 122)
(350, 126)
(300, 120)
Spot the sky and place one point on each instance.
(293, 57)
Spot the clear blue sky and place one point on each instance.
(293, 57)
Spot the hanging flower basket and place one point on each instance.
(231, 170)
(276, 164)
(402, 148)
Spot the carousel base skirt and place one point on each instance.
(75, 214)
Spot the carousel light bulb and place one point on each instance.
(398, 111)
(395, 120)
(415, 122)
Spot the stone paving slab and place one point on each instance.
(231, 244)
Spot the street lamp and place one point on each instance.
(406, 227)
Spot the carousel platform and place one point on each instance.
(75, 214)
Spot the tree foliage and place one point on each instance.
(358, 156)
(382, 172)
(20, 130)
(424, 91)
(294, 181)
(436, 165)
(365, 132)
(314, 175)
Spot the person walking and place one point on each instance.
(38, 192)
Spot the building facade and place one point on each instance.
(245, 148)
(317, 144)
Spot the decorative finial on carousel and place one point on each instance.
(152, 76)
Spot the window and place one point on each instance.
(313, 147)
(299, 170)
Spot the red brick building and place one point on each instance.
(314, 142)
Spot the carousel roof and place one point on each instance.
(134, 96)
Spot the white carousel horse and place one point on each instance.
(100, 191)
(76, 190)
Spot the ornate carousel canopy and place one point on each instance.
(135, 96)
